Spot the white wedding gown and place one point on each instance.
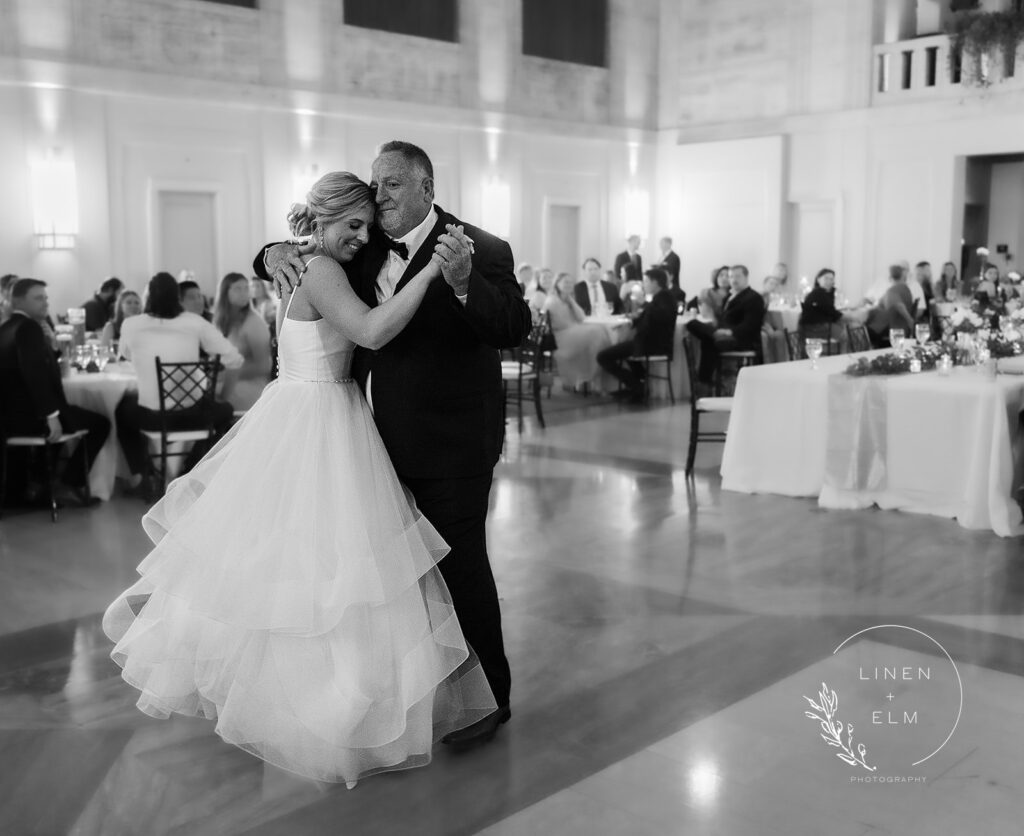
(292, 593)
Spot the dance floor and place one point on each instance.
(663, 636)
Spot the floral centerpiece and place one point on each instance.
(924, 357)
(963, 321)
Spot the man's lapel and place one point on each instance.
(422, 256)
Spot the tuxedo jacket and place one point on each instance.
(743, 314)
(436, 388)
(624, 258)
(581, 293)
(656, 325)
(30, 384)
(670, 264)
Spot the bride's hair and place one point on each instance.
(336, 195)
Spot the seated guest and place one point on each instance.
(738, 328)
(654, 331)
(6, 286)
(537, 294)
(524, 275)
(923, 280)
(894, 310)
(33, 400)
(263, 301)
(128, 304)
(713, 297)
(192, 299)
(947, 288)
(235, 318)
(577, 345)
(174, 335)
(769, 289)
(819, 316)
(594, 292)
(100, 309)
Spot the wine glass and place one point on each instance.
(813, 348)
(923, 333)
(896, 336)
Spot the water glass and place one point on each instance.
(923, 332)
(813, 348)
(896, 336)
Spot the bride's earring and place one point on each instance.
(322, 245)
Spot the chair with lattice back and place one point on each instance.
(520, 377)
(859, 338)
(183, 387)
(794, 345)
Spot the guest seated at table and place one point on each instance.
(738, 327)
(128, 304)
(923, 280)
(947, 287)
(33, 401)
(174, 335)
(714, 296)
(524, 275)
(654, 332)
(596, 295)
(235, 318)
(577, 345)
(193, 300)
(894, 310)
(100, 309)
(819, 316)
(537, 294)
(770, 290)
(263, 301)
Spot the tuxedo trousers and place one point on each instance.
(457, 508)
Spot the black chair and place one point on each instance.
(700, 406)
(520, 377)
(859, 338)
(50, 451)
(183, 387)
(736, 358)
(548, 365)
(794, 345)
(659, 360)
(822, 331)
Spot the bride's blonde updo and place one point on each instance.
(336, 195)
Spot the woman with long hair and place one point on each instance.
(128, 304)
(235, 317)
(293, 593)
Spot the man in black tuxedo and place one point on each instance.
(739, 328)
(630, 260)
(655, 328)
(594, 288)
(33, 400)
(436, 389)
(670, 264)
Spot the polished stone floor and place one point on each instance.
(665, 639)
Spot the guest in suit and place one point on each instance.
(654, 330)
(894, 310)
(33, 396)
(670, 264)
(100, 309)
(524, 275)
(629, 266)
(739, 326)
(593, 290)
(436, 388)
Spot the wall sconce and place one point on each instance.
(54, 202)
(638, 212)
(497, 207)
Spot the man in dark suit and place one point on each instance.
(669, 262)
(33, 400)
(436, 389)
(630, 260)
(100, 309)
(594, 288)
(655, 328)
(739, 328)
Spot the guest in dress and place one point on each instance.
(128, 304)
(33, 401)
(947, 288)
(100, 309)
(167, 331)
(709, 302)
(263, 301)
(537, 295)
(577, 344)
(894, 310)
(235, 317)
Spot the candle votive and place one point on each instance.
(915, 365)
(944, 364)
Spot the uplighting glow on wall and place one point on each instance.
(638, 212)
(497, 207)
(54, 202)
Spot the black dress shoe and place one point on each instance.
(482, 731)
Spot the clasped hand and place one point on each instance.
(455, 249)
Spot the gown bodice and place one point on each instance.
(313, 352)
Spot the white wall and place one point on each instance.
(1006, 215)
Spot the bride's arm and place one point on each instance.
(328, 290)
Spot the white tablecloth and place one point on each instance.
(101, 393)
(949, 443)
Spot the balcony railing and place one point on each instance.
(926, 68)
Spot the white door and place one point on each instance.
(562, 253)
(187, 236)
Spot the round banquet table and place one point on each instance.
(101, 392)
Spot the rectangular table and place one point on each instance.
(923, 443)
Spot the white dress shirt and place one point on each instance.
(178, 340)
(394, 267)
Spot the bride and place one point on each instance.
(294, 596)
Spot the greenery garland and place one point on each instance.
(999, 346)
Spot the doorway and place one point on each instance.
(562, 250)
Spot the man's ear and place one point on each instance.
(428, 189)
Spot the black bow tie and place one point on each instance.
(398, 247)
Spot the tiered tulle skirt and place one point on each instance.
(292, 595)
